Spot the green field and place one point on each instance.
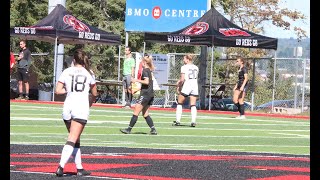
(32, 123)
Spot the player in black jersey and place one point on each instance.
(239, 90)
(145, 99)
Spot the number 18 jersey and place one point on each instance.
(190, 85)
(77, 81)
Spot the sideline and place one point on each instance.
(173, 109)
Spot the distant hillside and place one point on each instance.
(286, 46)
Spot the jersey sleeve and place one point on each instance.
(245, 70)
(62, 77)
(183, 70)
(146, 73)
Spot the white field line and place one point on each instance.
(123, 122)
(177, 136)
(289, 134)
(174, 145)
(190, 128)
(161, 114)
(98, 177)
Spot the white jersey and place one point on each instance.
(77, 81)
(190, 85)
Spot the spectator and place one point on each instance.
(128, 74)
(23, 65)
(12, 62)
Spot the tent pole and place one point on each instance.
(54, 66)
(210, 86)
(274, 80)
(119, 47)
(144, 48)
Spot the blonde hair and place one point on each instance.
(149, 61)
(189, 57)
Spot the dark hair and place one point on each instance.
(128, 48)
(245, 63)
(81, 58)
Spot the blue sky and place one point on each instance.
(300, 5)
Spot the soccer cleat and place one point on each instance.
(153, 132)
(193, 124)
(59, 171)
(241, 117)
(19, 98)
(175, 123)
(26, 98)
(82, 172)
(126, 131)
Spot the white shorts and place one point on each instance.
(75, 111)
(188, 90)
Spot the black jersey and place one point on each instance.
(147, 90)
(242, 72)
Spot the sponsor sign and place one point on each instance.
(160, 73)
(162, 15)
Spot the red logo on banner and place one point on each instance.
(233, 32)
(197, 29)
(156, 12)
(75, 23)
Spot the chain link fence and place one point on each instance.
(280, 85)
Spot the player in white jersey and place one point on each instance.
(189, 83)
(76, 82)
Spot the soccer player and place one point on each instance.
(145, 99)
(76, 81)
(239, 90)
(188, 83)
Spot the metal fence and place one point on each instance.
(281, 84)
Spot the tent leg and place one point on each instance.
(54, 66)
(210, 88)
(119, 66)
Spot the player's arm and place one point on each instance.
(60, 88)
(93, 94)
(144, 81)
(244, 81)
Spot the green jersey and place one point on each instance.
(127, 66)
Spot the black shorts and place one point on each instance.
(23, 75)
(145, 100)
(244, 89)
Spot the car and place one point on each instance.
(287, 103)
(223, 104)
(226, 104)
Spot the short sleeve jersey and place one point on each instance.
(147, 89)
(127, 66)
(77, 81)
(241, 74)
(190, 72)
(25, 62)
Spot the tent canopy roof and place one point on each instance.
(62, 25)
(213, 29)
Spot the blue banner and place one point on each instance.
(162, 15)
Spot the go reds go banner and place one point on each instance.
(162, 15)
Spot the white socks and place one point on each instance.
(178, 113)
(65, 155)
(193, 114)
(77, 158)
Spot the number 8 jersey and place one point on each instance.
(190, 85)
(77, 82)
